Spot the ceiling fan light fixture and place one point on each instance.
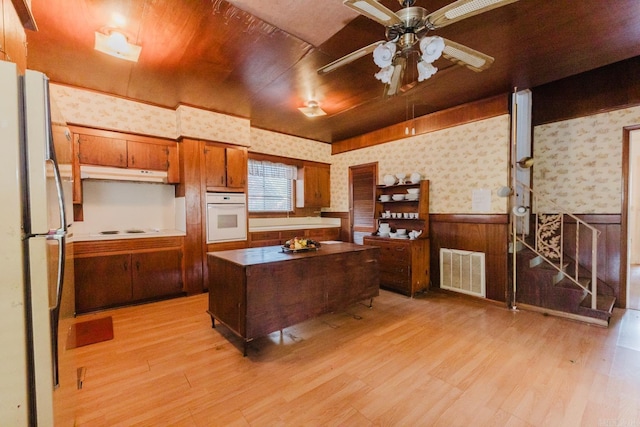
(115, 43)
(312, 109)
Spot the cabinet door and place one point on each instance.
(102, 281)
(236, 167)
(147, 156)
(103, 151)
(156, 274)
(316, 186)
(215, 166)
(323, 185)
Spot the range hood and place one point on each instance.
(122, 174)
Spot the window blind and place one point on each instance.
(270, 186)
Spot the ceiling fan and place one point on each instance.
(406, 32)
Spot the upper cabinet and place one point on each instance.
(114, 149)
(313, 186)
(225, 168)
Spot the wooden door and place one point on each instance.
(102, 281)
(362, 193)
(102, 151)
(142, 155)
(236, 167)
(156, 274)
(215, 166)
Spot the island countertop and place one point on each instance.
(268, 254)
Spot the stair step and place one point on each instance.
(570, 284)
(604, 303)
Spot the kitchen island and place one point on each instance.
(257, 291)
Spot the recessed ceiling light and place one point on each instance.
(115, 43)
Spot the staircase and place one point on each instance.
(556, 263)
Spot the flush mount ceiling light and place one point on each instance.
(312, 109)
(114, 42)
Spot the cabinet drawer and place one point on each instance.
(396, 254)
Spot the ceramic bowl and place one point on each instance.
(413, 190)
(398, 197)
(385, 197)
(401, 231)
(415, 177)
(389, 179)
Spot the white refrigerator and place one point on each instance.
(33, 233)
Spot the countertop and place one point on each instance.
(294, 223)
(267, 254)
(123, 234)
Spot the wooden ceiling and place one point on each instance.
(213, 55)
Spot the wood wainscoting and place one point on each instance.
(478, 233)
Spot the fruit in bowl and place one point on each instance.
(298, 243)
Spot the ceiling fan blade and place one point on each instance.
(374, 10)
(461, 9)
(463, 55)
(347, 59)
(396, 77)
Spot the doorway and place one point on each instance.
(632, 139)
(362, 195)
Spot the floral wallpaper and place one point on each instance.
(278, 144)
(457, 161)
(93, 109)
(196, 123)
(578, 162)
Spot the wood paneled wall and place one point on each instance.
(606, 88)
(479, 233)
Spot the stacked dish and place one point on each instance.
(398, 197)
(385, 197)
(384, 229)
(412, 193)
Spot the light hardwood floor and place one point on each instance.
(435, 360)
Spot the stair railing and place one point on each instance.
(548, 232)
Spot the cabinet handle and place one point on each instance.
(137, 265)
(125, 265)
(133, 160)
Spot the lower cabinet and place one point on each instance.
(404, 263)
(107, 280)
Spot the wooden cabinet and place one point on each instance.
(258, 290)
(314, 186)
(225, 168)
(396, 213)
(278, 237)
(404, 264)
(103, 148)
(120, 272)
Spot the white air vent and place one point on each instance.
(462, 271)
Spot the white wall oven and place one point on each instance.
(226, 217)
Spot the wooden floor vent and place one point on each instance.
(462, 271)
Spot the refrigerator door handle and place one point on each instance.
(58, 181)
(62, 243)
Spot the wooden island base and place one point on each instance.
(257, 291)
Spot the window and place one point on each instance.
(271, 186)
